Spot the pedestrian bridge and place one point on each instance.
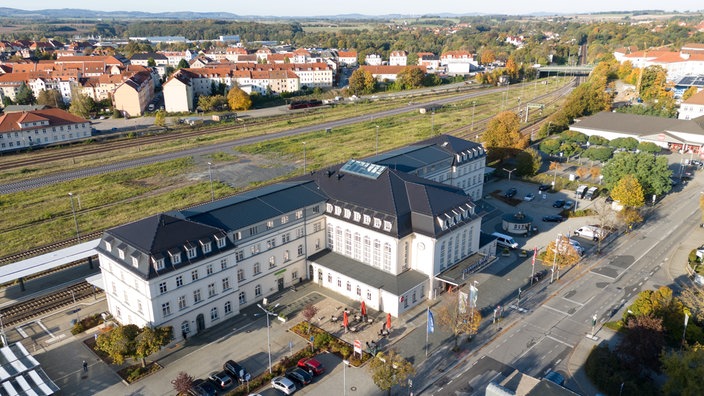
(584, 70)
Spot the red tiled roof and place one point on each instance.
(10, 122)
(697, 99)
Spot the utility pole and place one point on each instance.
(210, 174)
(75, 219)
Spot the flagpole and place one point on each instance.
(427, 330)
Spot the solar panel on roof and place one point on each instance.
(364, 169)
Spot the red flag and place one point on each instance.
(535, 254)
(363, 309)
(345, 321)
(388, 321)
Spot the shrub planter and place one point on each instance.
(506, 252)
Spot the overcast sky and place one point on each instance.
(367, 7)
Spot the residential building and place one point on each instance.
(458, 62)
(179, 94)
(347, 58)
(26, 129)
(677, 63)
(398, 58)
(143, 58)
(373, 60)
(387, 73)
(369, 231)
(693, 107)
(429, 60)
(134, 94)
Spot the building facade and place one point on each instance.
(39, 128)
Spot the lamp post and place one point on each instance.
(3, 338)
(75, 220)
(474, 104)
(210, 174)
(377, 140)
(432, 128)
(75, 308)
(554, 257)
(345, 363)
(304, 158)
(594, 318)
(509, 172)
(268, 337)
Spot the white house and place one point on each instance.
(693, 107)
(373, 60)
(398, 58)
(40, 127)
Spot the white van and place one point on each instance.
(505, 240)
(590, 232)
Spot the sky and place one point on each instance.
(367, 7)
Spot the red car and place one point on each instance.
(312, 365)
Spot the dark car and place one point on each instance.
(201, 387)
(609, 199)
(221, 379)
(544, 187)
(511, 192)
(236, 371)
(568, 205)
(553, 218)
(299, 376)
(311, 365)
(559, 203)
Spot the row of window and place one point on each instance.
(456, 248)
(359, 217)
(195, 275)
(254, 230)
(360, 249)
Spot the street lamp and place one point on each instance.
(377, 140)
(509, 172)
(344, 377)
(3, 338)
(210, 173)
(75, 308)
(474, 104)
(268, 337)
(304, 158)
(594, 318)
(554, 257)
(432, 118)
(75, 220)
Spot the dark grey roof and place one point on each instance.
(431, 151)
(157, 237)
(396, 285)
(256, 205)
(147, 55)
(409, 202)
(637, 125)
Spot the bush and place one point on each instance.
(692, 258)
(322, 340)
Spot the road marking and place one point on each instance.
(555, 309)
(574, 302)
(560, 341)
(21, 331)
(39, 322)
(640, 284)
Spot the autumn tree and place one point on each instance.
(390, 369)
(528, 162)
(238, 99)
(309, 312)
(160, 118)
(643, 342)
(488, 56)
(81, 105)
(361, 82)
(594, 173)
(410, 77)
(560, 254)
(684, 371)
(150, 341)
(693, 298)
(689, 92)
(212, 102)
(50, 97)
(581, 172)
(118, 343)
(628, 192)
(503, 135)
(459, 323)
(182, 383)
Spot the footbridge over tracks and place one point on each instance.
(583, 70)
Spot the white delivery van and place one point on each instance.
(590, 232)
(505, 240)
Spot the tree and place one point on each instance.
(689, 93)
(118, 343)
(212, 103)
(630, 216)
(151, 62)
(652, 172)
(649, 147)
(182, 383)
(560, 254)
(160, 118)
(150, 341)
(503, 135)
(309, 312)
(410, 77)
(488, 56)
(458, 322)
(628, 192)
(238, 99)
(598, 153)
(81, 105)
(389, 370)
(643, 342)
(528, 162)
(183, 64)
(693, 299)
(550, 146)
(361, 82)
(24, 95)
(598, 140)
(50, 97)
(684, 371)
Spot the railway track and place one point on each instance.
(25, 310)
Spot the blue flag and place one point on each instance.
(431, 322)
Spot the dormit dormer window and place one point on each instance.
(387, 225)
(158, 263)
(377, 223)
(175, 255)
(108, 244)
(135, 259)
(121, 251)
(206, 245)
(221, 240)
(191, 251)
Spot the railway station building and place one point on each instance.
(375, 230)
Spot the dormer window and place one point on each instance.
(367, 220)
(338, 210)
(121, 253)
(207, 246)
(377, 223)
(357, 216)
(175, 256)
(387, 226)
(329, 208)
(221, 240)
(108, 246)
(158, 263)
(347, 213)
(191, 253)
(135, 262)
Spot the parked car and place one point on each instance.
(529, 197)
(544, 187)
(577, 247)
(283, 384)
(312, 365)
(510, 193)
(568, 205)
(221, 379)
(559, 203)
(201, 387)
(609, 199)
(236, 371)
(299, 376)
(590, 232)
(553, 219)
